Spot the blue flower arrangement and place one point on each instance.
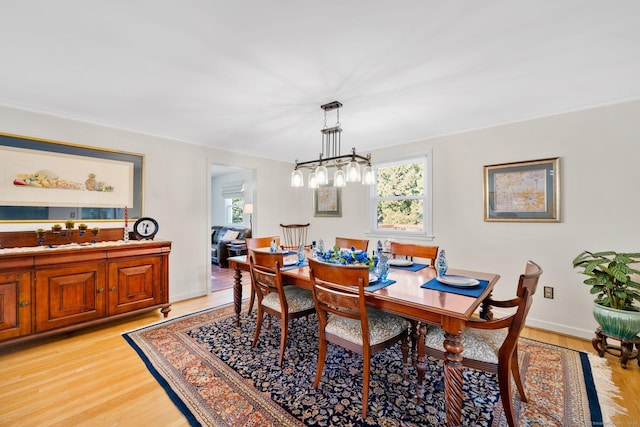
(351, 256)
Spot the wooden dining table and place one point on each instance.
(408, 299)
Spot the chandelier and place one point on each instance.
(347, 166)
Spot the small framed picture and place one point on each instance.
(523, 191)
(327, 201)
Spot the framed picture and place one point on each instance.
(523, 191)
(327, 201)
(43, 180)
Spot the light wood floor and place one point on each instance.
(94, 378)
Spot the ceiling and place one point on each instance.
(250, 75)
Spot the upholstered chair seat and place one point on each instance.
(479, 344)
(382, 327)
(298, 300)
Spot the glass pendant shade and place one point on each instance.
(367, 176)
(339, 179)
(313, 183)
(353, 171)
(322, 175)
(297, 179)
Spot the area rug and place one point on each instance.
(208, 368)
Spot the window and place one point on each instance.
(401, 197)
(233, 207)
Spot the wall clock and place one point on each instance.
(145, 228)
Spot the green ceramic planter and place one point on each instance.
(618, 323)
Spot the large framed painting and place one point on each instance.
(523, 191)
(327, 201)
(43, 180)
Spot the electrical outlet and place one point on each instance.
(548, 292)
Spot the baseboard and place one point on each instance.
(181, 297)
(557, 328)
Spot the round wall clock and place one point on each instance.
(145, 228)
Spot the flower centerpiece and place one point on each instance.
(350, 256)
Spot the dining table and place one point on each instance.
(407, 297)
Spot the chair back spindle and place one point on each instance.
(294, 235)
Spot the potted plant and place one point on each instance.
(40, 233)
(83, 227)
(56, 228)
(69, 224)
(612, 277)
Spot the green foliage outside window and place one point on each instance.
(400, 196)
(235, 210)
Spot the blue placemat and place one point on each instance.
(470, 292)
(374, 286)
(297, 265)
(413, 267)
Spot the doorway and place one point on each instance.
(231, 188)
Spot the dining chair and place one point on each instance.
(284, 302)
(492, 345)
(255, 243)
(345, 320)
(345, 242)
(410, 250)
(294, 235)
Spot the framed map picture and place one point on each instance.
(327, 201)
(523, 191)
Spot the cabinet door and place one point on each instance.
(69, 295)
(134, 284)
(15, 304)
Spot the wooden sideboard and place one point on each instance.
(49, 290)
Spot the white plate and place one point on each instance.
(460, 281)
(291, 261)
(400, 262)
(372, 278)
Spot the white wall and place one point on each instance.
(177, 189)
(599, 153)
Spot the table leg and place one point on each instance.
(453, 373)
(237, 294)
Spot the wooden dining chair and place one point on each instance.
(347, 243)
(410, 250)
(492, 345)
(284, 302)
(345, 320)
(294, 235)
(255, 243)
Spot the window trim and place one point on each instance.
(427, 234)
(228, 207)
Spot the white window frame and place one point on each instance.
(425, 156)
(228, 207)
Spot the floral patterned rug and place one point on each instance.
(209, 369)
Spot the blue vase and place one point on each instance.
(381, 269)
(441, 263)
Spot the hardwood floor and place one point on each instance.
(94, 378)
(222, 278)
